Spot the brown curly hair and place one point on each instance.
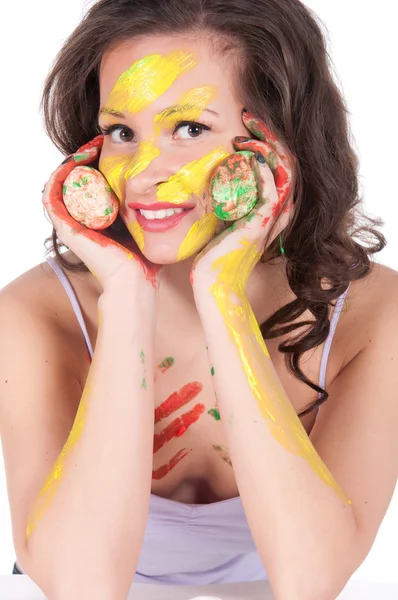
(283, 74)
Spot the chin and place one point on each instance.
(161, 254)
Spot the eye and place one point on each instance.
(189, 129)
(119, 133)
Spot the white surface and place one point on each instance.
(363, 47)
(20, 587)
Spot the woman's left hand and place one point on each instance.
(272, 165)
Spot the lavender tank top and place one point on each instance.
(197, 544)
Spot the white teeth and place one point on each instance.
(160, 214)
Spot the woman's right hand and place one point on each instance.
(110, 262)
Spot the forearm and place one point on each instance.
(88, 522)
(300, 519)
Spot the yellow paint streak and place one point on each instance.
(137, 233)
(113, 169)
(198, 236)
(53, 481)
(147, 79)
(92, 272)
(143, 157)
(189, 107)
(283, 422)
(191, 179)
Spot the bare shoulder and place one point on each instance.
(37, 302)
(370, 307)
(356, 432)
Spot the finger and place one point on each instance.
(279, 166)
(53, 194)
(97, 142)
(91, 146)
(241, 143)
(264, 216)
(60, 174)
(260, 148)
(257, 127)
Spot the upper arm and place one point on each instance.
(356, 432)
(39, 397)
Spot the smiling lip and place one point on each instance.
(158, 225)
(160, 205)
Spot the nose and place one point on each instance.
(147, 169)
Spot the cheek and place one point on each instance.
(113, 168)
(198, 236)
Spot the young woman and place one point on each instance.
(187, 399)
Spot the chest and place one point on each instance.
(191, 461)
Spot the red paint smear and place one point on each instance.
(191, 278)
(175, 428)
(282, 197)
(265, 221)
(249, 118)
(177, 399)
(281, 176)
(164, 469)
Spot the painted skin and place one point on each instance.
(233, 267)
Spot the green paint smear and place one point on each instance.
(84, 181)
(63, 189)
(250, 216)
(76, 184)
(242, 193)
(108, 189)
(214, 413)
(108, 211)
(212, 370)
(142, 357)
(225, 456)
(167, 362)
(143, 384)
(272, 160)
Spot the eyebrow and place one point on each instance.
(166, 112)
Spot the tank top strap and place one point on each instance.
(328, 343)
(73, 299)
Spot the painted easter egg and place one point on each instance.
(233, 187)
(89, 198)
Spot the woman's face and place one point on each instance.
(173, 115)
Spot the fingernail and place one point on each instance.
(260, 158)
(241, 138)
(67, 159)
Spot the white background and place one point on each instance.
(363, 46)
